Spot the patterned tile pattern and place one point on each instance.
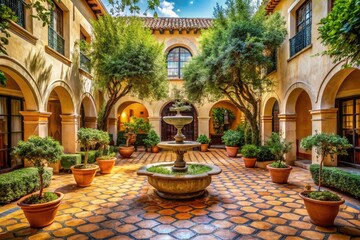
(240, 204)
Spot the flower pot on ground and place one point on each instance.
(323, 206)
(84, 173)
(204, 140)
(134, 127)
(279, 171)
(151, 141)
(40, 208)
(106, 160)
(127, 150)
(249, 152)
(231, 140)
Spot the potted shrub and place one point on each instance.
(204, 140)
(151, 141)
(40, 208)
(323, 206)
(231, 140)
(84, 173)
(249, 152)
(279, 170)
(265, 157)
(106, 160)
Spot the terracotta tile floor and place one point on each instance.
(240, 204)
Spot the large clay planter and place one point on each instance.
(84, 177)
(106, 165)
(279, 175)
(249, 162)
(232, 151)
(321, 213)
(155, 149)
(40, 215)
(204, 147)
(126, 152)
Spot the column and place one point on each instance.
(90, 122)
(35, 123)
(266, 128)
(288, 130)
(69, 128)
(112, 128)
(324, 121)
(156, 123)
(203, 125)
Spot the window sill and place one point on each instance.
(57, 55)
(23, 33)
(300, 52)
(85, 73)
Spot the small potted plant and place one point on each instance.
(40, 208)
(249, 152)
(279, 170)
(204, 140)
(231, 140)
(106, 160)
(151, 141)
(265, 157)
(84, 173)
(323, 206)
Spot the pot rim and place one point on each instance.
(274, 168)
(108, 159)
(301, 194)
(21, 203)
(94, 167)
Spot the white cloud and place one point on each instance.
(178, 10)
(191, 2)
(166, 9)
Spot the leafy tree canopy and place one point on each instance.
(127, 59)
(340, 32)
(234, 54)
(119, 6)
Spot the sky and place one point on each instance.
(181, 8)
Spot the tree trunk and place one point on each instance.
(41, 172)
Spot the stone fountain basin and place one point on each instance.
(178, 120)
(174, 146)
(179, 186)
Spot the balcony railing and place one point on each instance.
(18, 7)
(300, 40)
(84, 62)
(56, 41)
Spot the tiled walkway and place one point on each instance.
(240, 204)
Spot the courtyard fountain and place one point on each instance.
(179, 182)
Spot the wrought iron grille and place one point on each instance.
(56, 41)
(84, 62)
(300, 40)
(18, 7)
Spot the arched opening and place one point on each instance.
(168, 131)
(127, 110)
(87, 113)
(270, 118)
(54, 122)
(275, 122)
(303, 124)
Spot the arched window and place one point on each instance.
(176, 60)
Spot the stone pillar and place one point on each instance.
(112, 127)
(324, 121)
(69, 128)
(203, 125)
(266, 128)
(90, 122)
(156, 123)
(35, 123)
(288, 130)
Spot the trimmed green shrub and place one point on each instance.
(18, 183)
(265, 154)
(231, 138)
(337, 178)
(140, 137)
(121, 139)
(93, 154)
(203, 139)
(250, 151)
(68, 160)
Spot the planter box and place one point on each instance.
(262, 164)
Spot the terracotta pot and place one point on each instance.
(42, 214)
(204, 147)
(126, 152)
(106, 165)
(279, 175)
(155, 149)
(249, 162)
(232, 151)
(321, 213)
(84, 177)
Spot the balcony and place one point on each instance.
(18, 7)
(84, 62)
(301, 40)
(56, 41)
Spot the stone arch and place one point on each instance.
(270, 118)
(89, 105)
(268, 104)
(114, 110)
(24, 80)
(65, 95)
(292, 95)
(181, 42)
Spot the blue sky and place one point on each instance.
(182, 8)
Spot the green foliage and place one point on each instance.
(232, 59)
(68, 160)
(246, 133)
(120, 6)
(137, 125)
(126, 58)
(250, 151)
(107, 156)
(231, 138)
(278, 147)
(203, 139)
(278, 164)
(152, 139)
(121, 139)
(18, 183)
(324, 196)
(92, 155)
(265, 154)
(193, 169)
(218, 115)
(340, 32)
(36, 199)
(89, 137)
(337, 178)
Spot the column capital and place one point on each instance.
(112, 121)
(65, 118)
(35, 115)
(156, 118)
(266, 118)
(204, 118)
(90, 119)
(287, 117)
